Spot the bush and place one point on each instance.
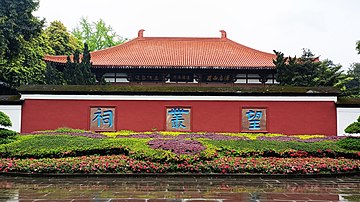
(4, 120)
(6, 135)
(353, 128)
(351, 143)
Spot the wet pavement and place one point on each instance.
(178, 189)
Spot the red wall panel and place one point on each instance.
(285, 117)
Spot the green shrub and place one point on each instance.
(4, 120)
(353, 128)
(350, 143)
(6, 135)
(68, 130)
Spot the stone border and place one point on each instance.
(173, 175)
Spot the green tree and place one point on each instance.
(53, 76)
(78, 72)
(60, 40)
(97, 35)
(28, 67)
(17, 25)
(307, 71)
(358, 46)
(353, 85)
(22, 45)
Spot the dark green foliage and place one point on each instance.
(350, 143)
(6, 135)
(6, 89)
(17, 25)
(4, 120)
(307, 71)
(358, 46)
(53, 76)
(22, 45)
(353, 85)
(354, 127)
(78, 72)
(89, 77)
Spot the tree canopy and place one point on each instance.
(79, 73)
(353, 85)
(22, 44)
(98, 35)
(307, 70)
(17, 26)
(61, 40)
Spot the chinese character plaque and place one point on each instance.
(102, 119)
(253, 120)
(178, 119)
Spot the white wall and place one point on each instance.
(14, 113)
(346, 116)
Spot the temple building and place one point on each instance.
(180, 61)
(184, 85)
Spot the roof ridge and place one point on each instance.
(249, 48)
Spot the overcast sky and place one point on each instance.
(329, 28)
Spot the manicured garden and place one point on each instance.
(76, 151)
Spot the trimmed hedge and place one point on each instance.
(4, 120)
(350, 143)
(57, 146)
(354, 127)
(6, 135)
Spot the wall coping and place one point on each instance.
(259, 90)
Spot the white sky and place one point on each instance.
(329, 28)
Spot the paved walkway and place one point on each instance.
(178, 189)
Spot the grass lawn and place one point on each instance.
(76, 151)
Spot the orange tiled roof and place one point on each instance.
(178, 52)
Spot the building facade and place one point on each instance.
(180, 61)
(257, 109)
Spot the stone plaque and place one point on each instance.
(178, 118)
(102, 119)
(253, 120)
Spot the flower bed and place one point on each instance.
(77, 151)
(124, 164)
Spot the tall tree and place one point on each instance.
(60, 40)
(307, 70)
(53, 76)
(22, 45)
(353, 85)
(78, 71)
(28, 67)
(17, 25)
(97, 35)
(358, 46)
